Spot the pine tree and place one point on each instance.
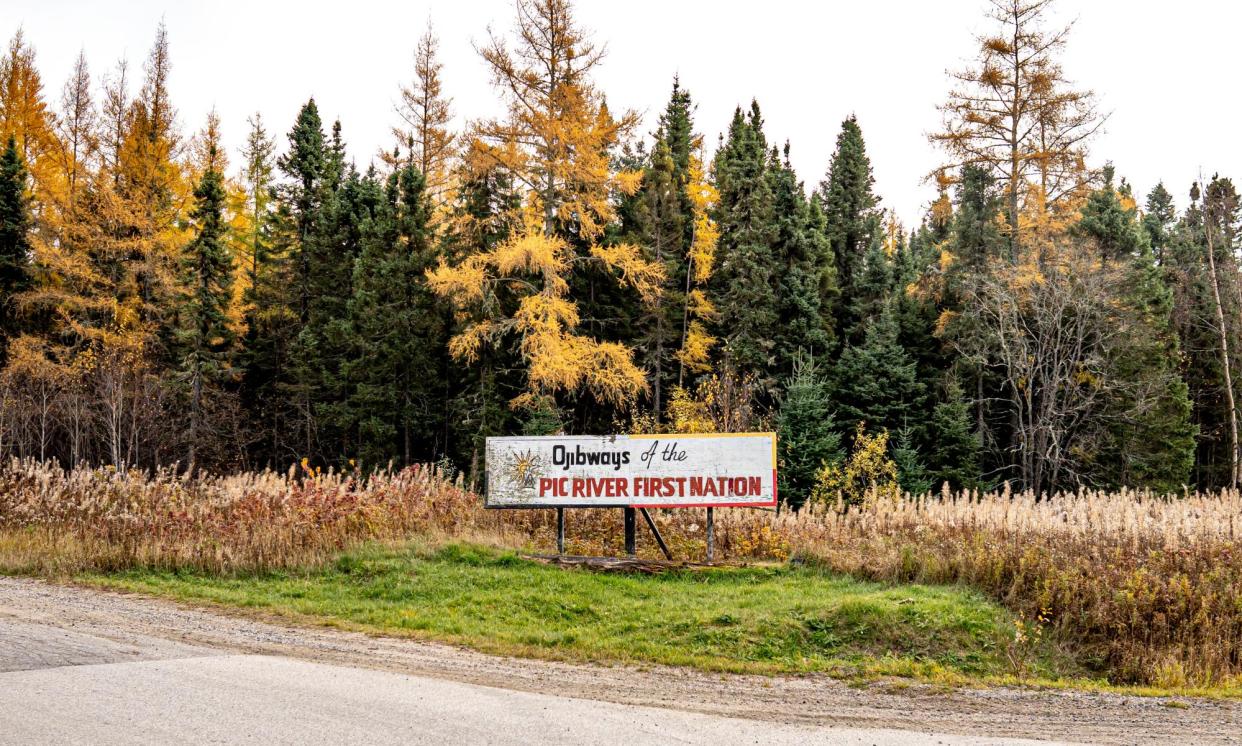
(15, 249)
(851, 222)
(806, 432)
(743, 284)
(204, 340)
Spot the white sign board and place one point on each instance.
(666, 471)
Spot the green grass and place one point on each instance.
(779, 619)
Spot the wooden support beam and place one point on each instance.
(560, 531)
(631, 526)
(711, 534)
(659, 539)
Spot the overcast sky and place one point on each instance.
(1166, 71)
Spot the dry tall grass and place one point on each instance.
(1147, 588)
(54, 521)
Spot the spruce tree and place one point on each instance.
(877, 382)
(15, 250)
(1151, 439)
(953, 451)
(797, 253)
(976, 235)
(1110, 223)
(396, 332)
(203, 336)
(851, 221)
(305, 166)
(661, 222)
(1159, 219)
(806, 432)
(874, 286)
(743, 283)
(912, 475)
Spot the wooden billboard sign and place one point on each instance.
(634, 472)
(622, 471)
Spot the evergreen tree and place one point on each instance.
(325, 344)
(798, 253)
(659, 212)
(204, 338)
(877, 382)
(806, 432)
(395, 333)
(677, 130)
(874, 286)
(1111, 224)
(953, 452)
(976, 235)
(851, 221)
(743, 283)
(1159, 218)
(911, 474)
(1156, 447)
(15, 249)
(1153, 444)
(305, 165)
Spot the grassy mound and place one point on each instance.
(778, 619)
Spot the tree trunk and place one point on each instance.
(1224, 354)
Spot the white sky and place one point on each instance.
(1166, 71)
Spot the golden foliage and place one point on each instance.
(696, 346)
(687, 414)
(703, 198)
(645, 276)
(426, 114)
(867, 474)
(695, 352)
(556, 142)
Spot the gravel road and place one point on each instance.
(86, 666)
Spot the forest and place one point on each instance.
(164, 303)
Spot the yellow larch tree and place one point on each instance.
(696, 342)
(555, 142)
(426, 115)
(25, 116)
(1015, 113)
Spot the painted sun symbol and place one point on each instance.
(524, 467)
